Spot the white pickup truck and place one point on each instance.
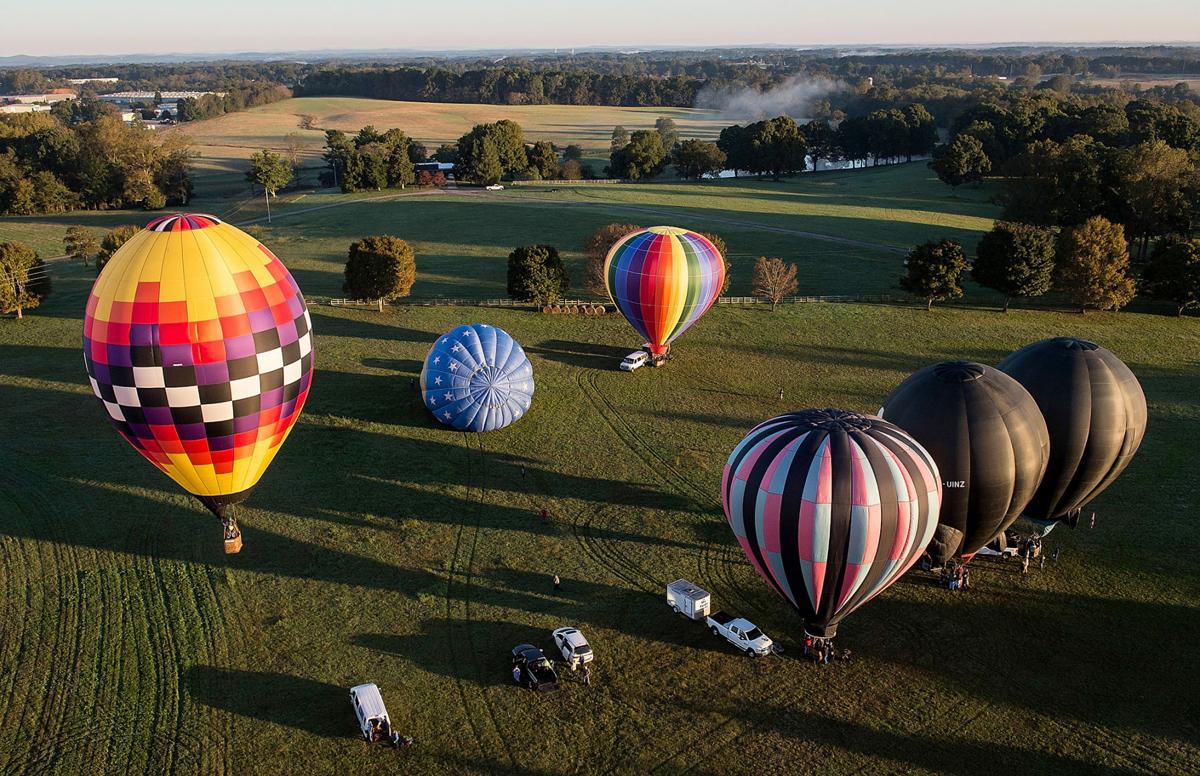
(741, 633)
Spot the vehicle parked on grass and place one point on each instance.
(372, 715)
(635, 360)
(573, 646)
(741, 633)
(688, 599)
(532, 669)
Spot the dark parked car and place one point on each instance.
(531, 669)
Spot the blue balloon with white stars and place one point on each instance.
(477, 378)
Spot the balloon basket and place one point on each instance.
(233, 544)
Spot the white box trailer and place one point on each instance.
(688, 599)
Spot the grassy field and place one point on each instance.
(846, 230)
(225, 142)
(382, 547)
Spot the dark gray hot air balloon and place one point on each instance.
(1096, 414)
(989, 441)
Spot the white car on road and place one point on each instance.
(495, 187)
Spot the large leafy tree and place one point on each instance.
(536, 274)
(491, 152)
(668, 132)
(697, 158)
(777, 147)
(271, 171)
(380, 267)
(620, 139)
(1173, 274)
(595, 250)
(24, 278)
(734, 141)
(80, 243)
(822, 141)
(1016, 260)
(643, 157)
(1150, 184)
(543, 160)
(933, 271)
(1093, 265)
(961, 161)
(1055, 184)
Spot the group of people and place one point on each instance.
(821, 651)
(1032, 548)
(955, 576)
(382, 731)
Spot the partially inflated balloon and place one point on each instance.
(663, 279)
(989, 441)
(477, 378)
(198, 343)
(1096, 414)
(831, 507)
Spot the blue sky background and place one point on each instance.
(115, 26)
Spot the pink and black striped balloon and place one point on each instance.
(831, 507)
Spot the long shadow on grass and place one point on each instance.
(315, 707)
(359, 324)
(582, 354)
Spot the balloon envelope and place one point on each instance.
(989, 441)
(663, 279)
(1095, 412)
(477, 378)
(830, 507)
(198, 343)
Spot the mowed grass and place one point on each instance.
(383, 547)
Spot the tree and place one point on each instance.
(933, 271)
(111, 242)
(573, 152)
(1016, 260)
(620, 139)
(24, 278)
(822, 141)
(80, 243)
(735, 143)
(774, 280)
(961, 161)
(1150, 185)
(536, 274)
(446, 153)
(490, 152)
(380, 267)
(643, 157)
(308, 121)
(1173, 273)
(271, 171)
(776, 146)
(294, 145)
(667, 132)
(1093, 265)
(922, 135)
(596, 249)
(697, 158)
(543, 160)
(571, 170)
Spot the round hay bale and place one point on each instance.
(547, 309)
(574, 309)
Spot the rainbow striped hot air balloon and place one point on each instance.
(663, 279)
(198, 343)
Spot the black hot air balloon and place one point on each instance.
(989, 441)
(1096, 414)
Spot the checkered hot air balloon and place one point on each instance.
(830, 507)
(477, 378)
(663, 279)
(198, 344)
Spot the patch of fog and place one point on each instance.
(793, 97)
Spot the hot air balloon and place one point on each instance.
(663, 279)
(477, 378)
(831, 507)
(1096, 415)
(989, 441)
(198, 343)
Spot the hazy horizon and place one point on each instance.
(121, 28)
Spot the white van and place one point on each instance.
(373, 720)
(635, 360)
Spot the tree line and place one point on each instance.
(81, 154)
(235, 98)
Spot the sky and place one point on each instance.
(62, 27)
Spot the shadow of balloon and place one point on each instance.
(582, 354)
(314, 707)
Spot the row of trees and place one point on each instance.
(236, 98)
(1089, 263)
(370, 159)
(83, 155)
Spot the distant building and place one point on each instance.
(58, 95)
(434, 167)
(128, 98)
(79, 81)
(24, 107)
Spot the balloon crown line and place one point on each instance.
(1074, 343)
(958, 371)
(831, 419)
